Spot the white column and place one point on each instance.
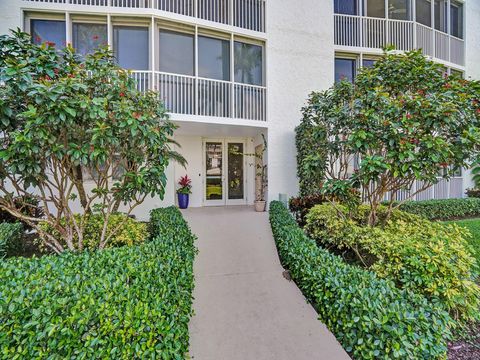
(152, 53)
(232, 77)
(197, 98)
(449, 30)
(109, 32)
(68, 28)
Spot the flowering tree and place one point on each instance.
(402, 121)
(68, 124)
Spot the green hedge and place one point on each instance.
(122, 303)
(11, 238)
(370, 317)
(447, 209)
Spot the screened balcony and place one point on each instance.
(246, 14)
(194, 71)
(436, 26)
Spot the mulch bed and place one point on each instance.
(466, 349)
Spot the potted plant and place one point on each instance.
(262, 178)
(184, 191)
(260, 203)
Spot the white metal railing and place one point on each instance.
(457, 53)
(191, 95)
(246, 14)
(444, 189)
(424, 39)
(370, 32)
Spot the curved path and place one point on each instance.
(244, 307)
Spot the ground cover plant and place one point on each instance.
(473, 226)
(370, 317)
(121, 303)
(76, 133)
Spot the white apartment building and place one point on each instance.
(232, 70)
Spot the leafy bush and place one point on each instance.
(426, 257)
(300, 206)
(446, 209)
(473, 193)
(11, 238)
(122, 303)
(124, 230)
(370, 317)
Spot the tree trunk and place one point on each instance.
(81, 190)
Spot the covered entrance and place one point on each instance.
(224, 178)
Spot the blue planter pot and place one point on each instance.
(183, 200)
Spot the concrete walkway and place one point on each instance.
(245, 308)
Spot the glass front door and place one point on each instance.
(224, 172)
(214, 188)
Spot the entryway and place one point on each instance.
(224, 172)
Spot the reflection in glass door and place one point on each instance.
(235, 171)
(214, 173)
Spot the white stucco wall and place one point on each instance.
(472, 64)
(472, 38)
(10, 15)
(300, 59)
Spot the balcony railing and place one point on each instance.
(369, 32)
(246, 14)
(191, 95)
(444, 189)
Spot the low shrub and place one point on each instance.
(446, 209)
(473, 193)
(11, 239)
(300, 206)
(426, 257)
(130, 232)
(132, 302)
(370, 317)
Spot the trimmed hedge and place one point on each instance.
(370, 317)
(122, 303)
(446, 209)
(11, 238)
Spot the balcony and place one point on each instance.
(369, 32)
(190, 95)
(245, 14)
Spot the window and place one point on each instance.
(130, 44)
(375, 8)
(88, 37)
(456, 73)
(48, 30)
(213, 58)
(176, 52)
(344, 69)
(347, 7)
(368, 63)
(399, 9)
(424, 12)
(248, 63)
(441, 15)
(456, 19)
